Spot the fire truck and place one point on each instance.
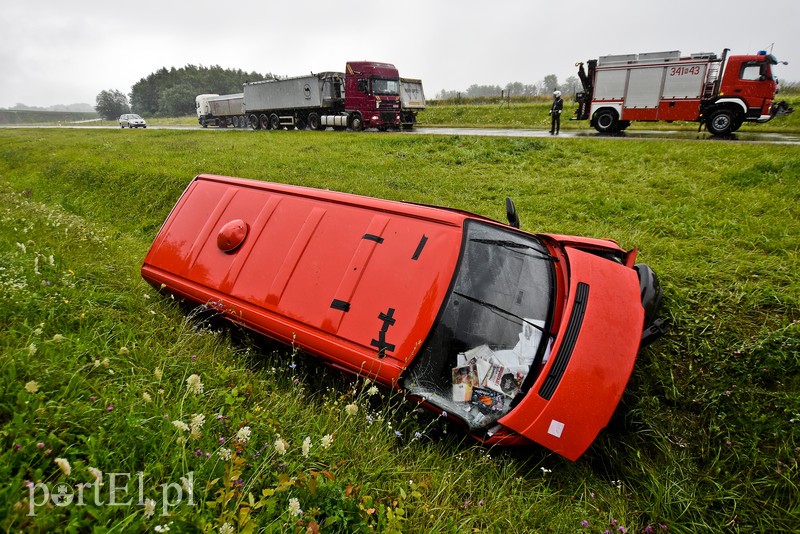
(720, 92)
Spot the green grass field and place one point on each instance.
(102, 373)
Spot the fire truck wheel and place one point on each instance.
(606, 121)
(720, 122)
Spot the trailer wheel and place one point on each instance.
(357, 123)
(263, 121)
(253, 120)
(274, 122)
(720, 122)
(605, 121)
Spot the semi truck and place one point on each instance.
(366, 95)
(220, 110)
(412, 101)
(719, 92)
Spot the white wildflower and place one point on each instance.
(327, 439)
(32, 386)
(351, 409)
(226, 528)
(157, 373)
(306, 446)
(281, 445)
(180, 425)
(63, 464)
(146, 396)
(32, 349)
(195, 385)
(372, 391)
(149, 507)
(97, 474)
(243, 434)
(188, 485)
(58, 338)
(225, 454)
(294, 507)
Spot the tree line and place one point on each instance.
(544, 87)
(171, 92)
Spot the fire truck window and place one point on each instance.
(751, 71)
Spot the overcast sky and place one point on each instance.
(55, 52)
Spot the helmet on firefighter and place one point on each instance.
(556, 93)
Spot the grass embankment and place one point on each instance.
(101, 371)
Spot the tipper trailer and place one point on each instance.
(720, 92)
(412, 101)
(220, 110)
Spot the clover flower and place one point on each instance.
(32, 386)
(306, 446)
(225, 454)
(372, 391)
(226, 528)
(351, 409)
(326, 442)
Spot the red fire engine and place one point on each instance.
(720, 92)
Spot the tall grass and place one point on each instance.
(101, 371)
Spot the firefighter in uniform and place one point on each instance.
(555, 113)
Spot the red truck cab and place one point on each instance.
(749, 80)
(372, 95)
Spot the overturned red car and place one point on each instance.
(521, 337)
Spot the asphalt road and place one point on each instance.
(684, 135)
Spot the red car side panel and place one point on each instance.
(600, 362)
(339, 275)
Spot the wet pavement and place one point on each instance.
(684, 135)
(687, 135)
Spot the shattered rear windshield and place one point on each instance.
(488, 336)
